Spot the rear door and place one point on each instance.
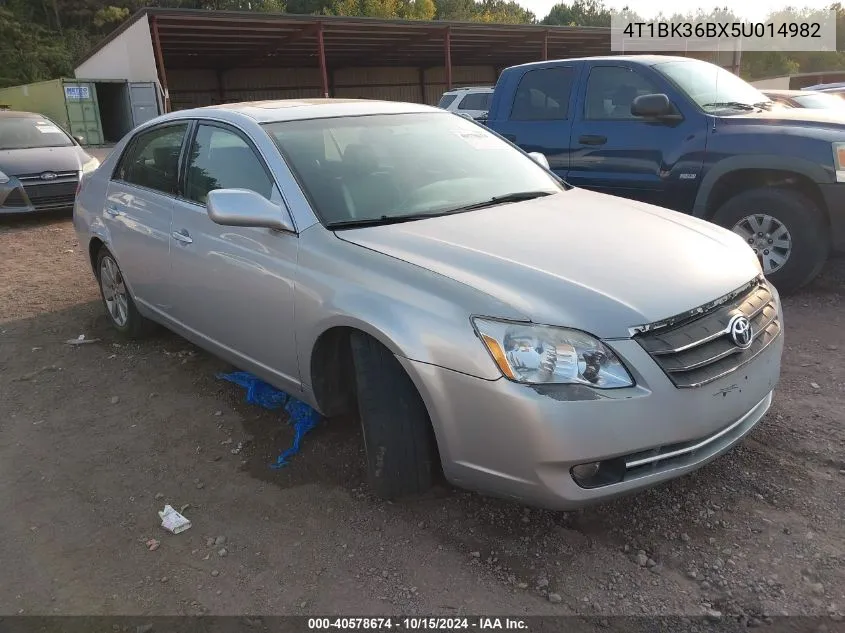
(233, 286)
(138, 211)
(475, 104)
(143, 99)
(539, 118)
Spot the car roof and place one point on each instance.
(300, 109)
(17, 114)
(647, 60)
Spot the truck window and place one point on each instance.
(612, 89)
(543, 95)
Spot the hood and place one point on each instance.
(804, 117)
(578, 258)
(18, 162)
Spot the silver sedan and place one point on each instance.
(528, 339)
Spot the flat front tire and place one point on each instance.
(400, 444)
(120, 307)
(785, 228)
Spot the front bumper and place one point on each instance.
(520, 442)
(32, 194)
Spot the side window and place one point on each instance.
(446, 101)
(152, 159)
(543, 95)
(612, 89)
(221, 159)
(475, 101)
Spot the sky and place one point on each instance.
(756, 10)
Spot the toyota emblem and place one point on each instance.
(740, 330)
(48, 175)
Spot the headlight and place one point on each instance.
(3, 178)
(90, 166)
(839, 161)
(538, 354)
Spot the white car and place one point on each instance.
(473, 102)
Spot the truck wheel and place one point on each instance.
(785, 228)
(120, 307)
(398, 436)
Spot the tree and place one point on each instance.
(579, 13)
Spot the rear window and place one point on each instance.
(446, 101)
(543, 95)
(475, 101)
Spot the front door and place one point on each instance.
(614, 152)
(233, 286)
(138, 210)
(540, 118)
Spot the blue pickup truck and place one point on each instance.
(687, 135)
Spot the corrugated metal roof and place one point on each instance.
(237, 39)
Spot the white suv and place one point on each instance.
(474, 102)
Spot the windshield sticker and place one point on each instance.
(479, 140)
(47, 128)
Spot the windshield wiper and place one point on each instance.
(385, 219)
(730, 104)
(519, 196)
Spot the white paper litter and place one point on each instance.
(81, 340)
(172, 521)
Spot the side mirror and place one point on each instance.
(242, 207)
(539, 158)
(79, 139)
(652, 106)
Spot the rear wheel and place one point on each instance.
(400, 444)
(120, 307)
(786, 230)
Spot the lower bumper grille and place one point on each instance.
(51, 195)
(701, 348)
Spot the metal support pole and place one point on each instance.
(545, 45)
(162, 75)
(448, 52)
(322, 52)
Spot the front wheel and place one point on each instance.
(400, 444)
(786, 230)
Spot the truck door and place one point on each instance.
(539, 118)
(614, 152)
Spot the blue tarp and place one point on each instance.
(302, 417)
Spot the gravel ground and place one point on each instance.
(94, 439)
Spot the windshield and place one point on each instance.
(711, 87)
(386, 167)
(820, 100)
(29, 132)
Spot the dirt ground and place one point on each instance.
(95, 439)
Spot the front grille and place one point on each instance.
(696, 350)
(53, 194)
(60, 175)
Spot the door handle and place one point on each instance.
(182, 236)
(592, 139)
(113, 211)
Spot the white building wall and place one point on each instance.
(128, 56)
(772, 83)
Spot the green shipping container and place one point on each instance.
(69, 102)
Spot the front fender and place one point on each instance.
(812, 170)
